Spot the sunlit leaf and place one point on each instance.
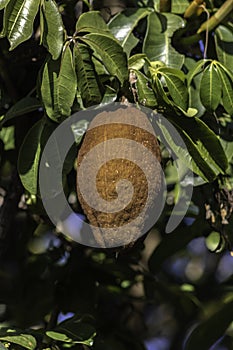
(124, 23)
(27, 341)
(211, 89)
(176, 87)
(91, 22)
(146, 95)
(87, 79)
(111, 53)
(19, 17)
(157, 44)
(137, 61)
(179, 6)
(3, 3)
(51, 28)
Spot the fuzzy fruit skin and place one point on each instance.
(122, 124)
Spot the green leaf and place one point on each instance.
(74, 330)
(227, 90)
(111, 53)
(87, 79)
(91, 22)
(196, 69)
(29, 157)
(194, 88)
(67, 83)
(58, 86)
(3, 3)
(130, 44)
(7, 135)
(157, 44)
(204, 147)
(179, 6)
(146, 95)
(211, 89)
(52, 30)
(27, 341)
(25, 105)
(210, 330)
(176, 87)
(204, 154)
(19, 17)
(123, 24)
(110, 96)
(223, 41)
(137, 61)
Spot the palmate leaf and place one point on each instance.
(210, 330)
(52, 30)
(157, 44)
(87, 79)
(58, 86)
(223, 41)
(18, 20)
(111, 53)
(211, 89)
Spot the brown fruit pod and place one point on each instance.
(119, 175)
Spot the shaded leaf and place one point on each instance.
(58, 86)
(210, 330)
(29, 157)
(25, 105)
(19, 17)
(223, 40)
(157, 44)
(210, 90)
(111, 53)
(74, 330)
(87, 78)
(227, 91)
(194, 88)
(51, 28)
